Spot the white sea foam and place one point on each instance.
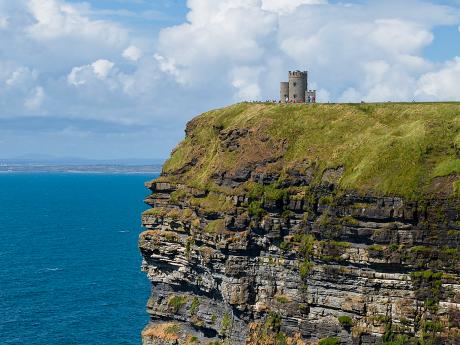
(51, 269)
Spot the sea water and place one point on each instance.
(69, 263)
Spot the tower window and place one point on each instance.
(295, 84)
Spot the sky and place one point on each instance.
(120, 79)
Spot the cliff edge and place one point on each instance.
(295, 224)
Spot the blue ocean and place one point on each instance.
(69, 263)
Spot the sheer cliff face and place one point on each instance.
(262, 236)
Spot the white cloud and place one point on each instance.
(442, 84)
(245, 80)
(58, 58)
(132, 53)
(168, 65)
(398, 36)
(349, 95)
(20, 91)
(226, 50)
(287, 6)
(218, 36)
(102, 68)
(362, 51)
(99, 69)
(323, 95)
(64, 43)
(75, 76)
(4, 21)
(58, 19)
(36, 99)
(21, 77)
(381, 82)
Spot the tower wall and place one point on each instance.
(310, 96)
(297, 86)
(284, 91)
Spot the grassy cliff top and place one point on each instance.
(406, 149)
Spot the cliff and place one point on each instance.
(295, 224)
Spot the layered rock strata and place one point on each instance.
(264, 257)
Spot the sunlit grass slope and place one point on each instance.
(391, 148)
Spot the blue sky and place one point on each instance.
(120, 78)
(145, 16)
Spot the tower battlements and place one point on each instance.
(298, 74)
(296, 89)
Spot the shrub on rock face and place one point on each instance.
(345, 321)
(329, 341)
(399, 340)
(274, 195)
(280, 339)
(226, 322)
(305, 268)
(326, 200)
(194, 306)
(175, 303)
(255, 209)
(215, 226)
(173, 329)
(273, 322)
(282, 299)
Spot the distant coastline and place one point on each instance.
(50, 164)
(79, 169)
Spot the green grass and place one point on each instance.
(273, 322)
(447, 167)
(339, 244)
(326, 200)
(255, 209)
(376, 248)
(450, 251)
(426, 275)
(212, 203)
(282, 299)
(194, 306)
(306, 244)
(399, 340)
(390, 148)
(159, 212)
(329, 341)
(215, 226)
(305, 268)
(272, 194)
(345, 321)
(421, 250)
(457, 188)
(175, 303)
(226, 323)
(173, 329)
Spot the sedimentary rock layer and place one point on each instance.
(279, 249)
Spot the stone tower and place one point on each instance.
(298, 84)
(296, 89)
(284, 91)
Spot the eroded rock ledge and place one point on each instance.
(267, 256)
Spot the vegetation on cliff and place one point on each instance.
(405, 149)
(322, 224)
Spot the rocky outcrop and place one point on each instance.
(267, 256)
(356, 268)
